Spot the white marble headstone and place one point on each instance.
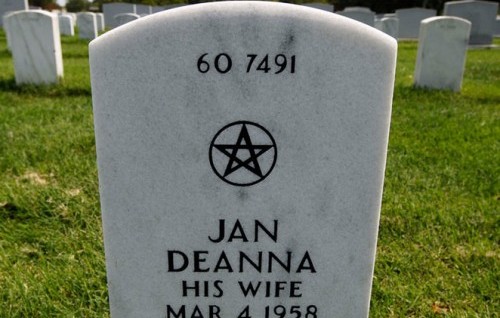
(174, 6)
(267, 120)
(87, 25)
(156, 9)
(112, 9)
(124, 18)
(141, 9)
(358, 9)
(7, 6)
(497, 27)
(442, 48)
(389, 26)
(409, 21)
(481, 14)
(6, 28)
(321, 6)
(360, 14)
(100, 21)
(66, 25)
(36, 47)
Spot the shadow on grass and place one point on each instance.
(60, 90)
(12, 212)
(5, 53)
(410, 92)
(76, 55)
(485, 98)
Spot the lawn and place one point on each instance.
(438, 251)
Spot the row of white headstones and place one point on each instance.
(403, 24)
(440, 60)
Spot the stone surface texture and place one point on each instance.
(66, 25)
(112, 9)
(87, 25)
(481, 14)
(124, 18)
(390, 26)
(36, 47)
(409, 21)
(7, 6)
(442, 49)
(359, 14)
(162, 89)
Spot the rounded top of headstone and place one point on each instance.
(389, 19)
(225, 15)
(85, 14)
(8, 13)
(65, 17)
(126, 15)
(471, 2)
(362, 9)
(415, 9)
(31, 14)
(445, 18)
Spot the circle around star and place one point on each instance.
(243, 153)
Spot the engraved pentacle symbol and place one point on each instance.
(243, 153)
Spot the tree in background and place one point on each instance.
(77, 5)
(44, 4)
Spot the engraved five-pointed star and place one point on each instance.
(243, 143)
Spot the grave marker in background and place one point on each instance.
(497, 27)
(100, 22)
(111, 9)
(156, 9)
(6, 29)
(66, 25)
(173, 6)
(87, 25)
(11, 6)
(442, 48)
(409, 21)
(241, 150)
(481, 14)
(36, 47)
(320, 6)
(361, 14)
(141, 9)
(389, 26)
(124, 18)
(358, 9)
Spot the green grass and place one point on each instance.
(438, 251)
